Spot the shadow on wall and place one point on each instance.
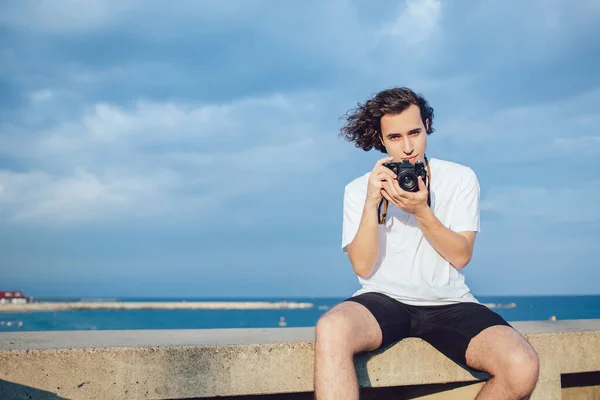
(368, 392)
(14, 391)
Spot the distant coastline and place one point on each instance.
(500, 305)
(110, 304)
(162, 305)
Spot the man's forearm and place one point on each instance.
(364, 249)
(453, 246)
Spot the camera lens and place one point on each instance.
(408, 182)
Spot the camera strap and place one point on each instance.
(384, 201)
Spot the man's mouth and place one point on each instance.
(411, 158)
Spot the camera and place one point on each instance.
(408, 174)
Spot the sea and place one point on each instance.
(512, 308)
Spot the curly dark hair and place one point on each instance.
(363, 123)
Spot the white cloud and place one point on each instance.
(553, 204)
(417, 22)
(160, 159)
(82, 16)
(114, 128)
(539, 131)
(76, 197)
(64, 15)
(158, 147)
(584, 146)
(41, 96)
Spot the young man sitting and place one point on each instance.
(408, 249)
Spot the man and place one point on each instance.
(410, 265)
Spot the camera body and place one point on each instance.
(408, 174)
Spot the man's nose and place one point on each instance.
(408, 147)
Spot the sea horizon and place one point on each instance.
(275, 298)
(512, 308)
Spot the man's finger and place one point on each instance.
(392, 188)
(385, 194)
(380, 162)
(387, 190)
(421, 183)
(388, 173)
(401, 192)
(392, 199)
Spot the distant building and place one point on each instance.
(13, 297)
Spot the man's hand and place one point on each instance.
(414, 203)
(379, 176)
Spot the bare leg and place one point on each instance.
(347, 329)
(509, 359)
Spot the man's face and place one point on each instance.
(404, 135)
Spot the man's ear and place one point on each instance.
(427, 125)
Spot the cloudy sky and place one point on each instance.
(191, 148)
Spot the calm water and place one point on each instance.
(527, 308)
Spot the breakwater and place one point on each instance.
(179, 305)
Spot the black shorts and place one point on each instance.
(448, 328)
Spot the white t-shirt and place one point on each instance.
(408, 268)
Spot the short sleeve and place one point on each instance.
(353, 207)
(465, 213)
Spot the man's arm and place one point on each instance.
(364, 248)
(360, 238)
(454, 243)
(455, 247)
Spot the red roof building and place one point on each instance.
(12, 297)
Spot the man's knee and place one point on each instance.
(332, 331)
(349, 328)
(521, 371)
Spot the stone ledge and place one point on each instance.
(177, 364)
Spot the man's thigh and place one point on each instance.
(499, 349)
(450, 329)
(367, 322)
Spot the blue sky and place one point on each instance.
(191, 149)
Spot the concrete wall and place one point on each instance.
(254, 363)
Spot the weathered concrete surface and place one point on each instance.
(176, 364)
